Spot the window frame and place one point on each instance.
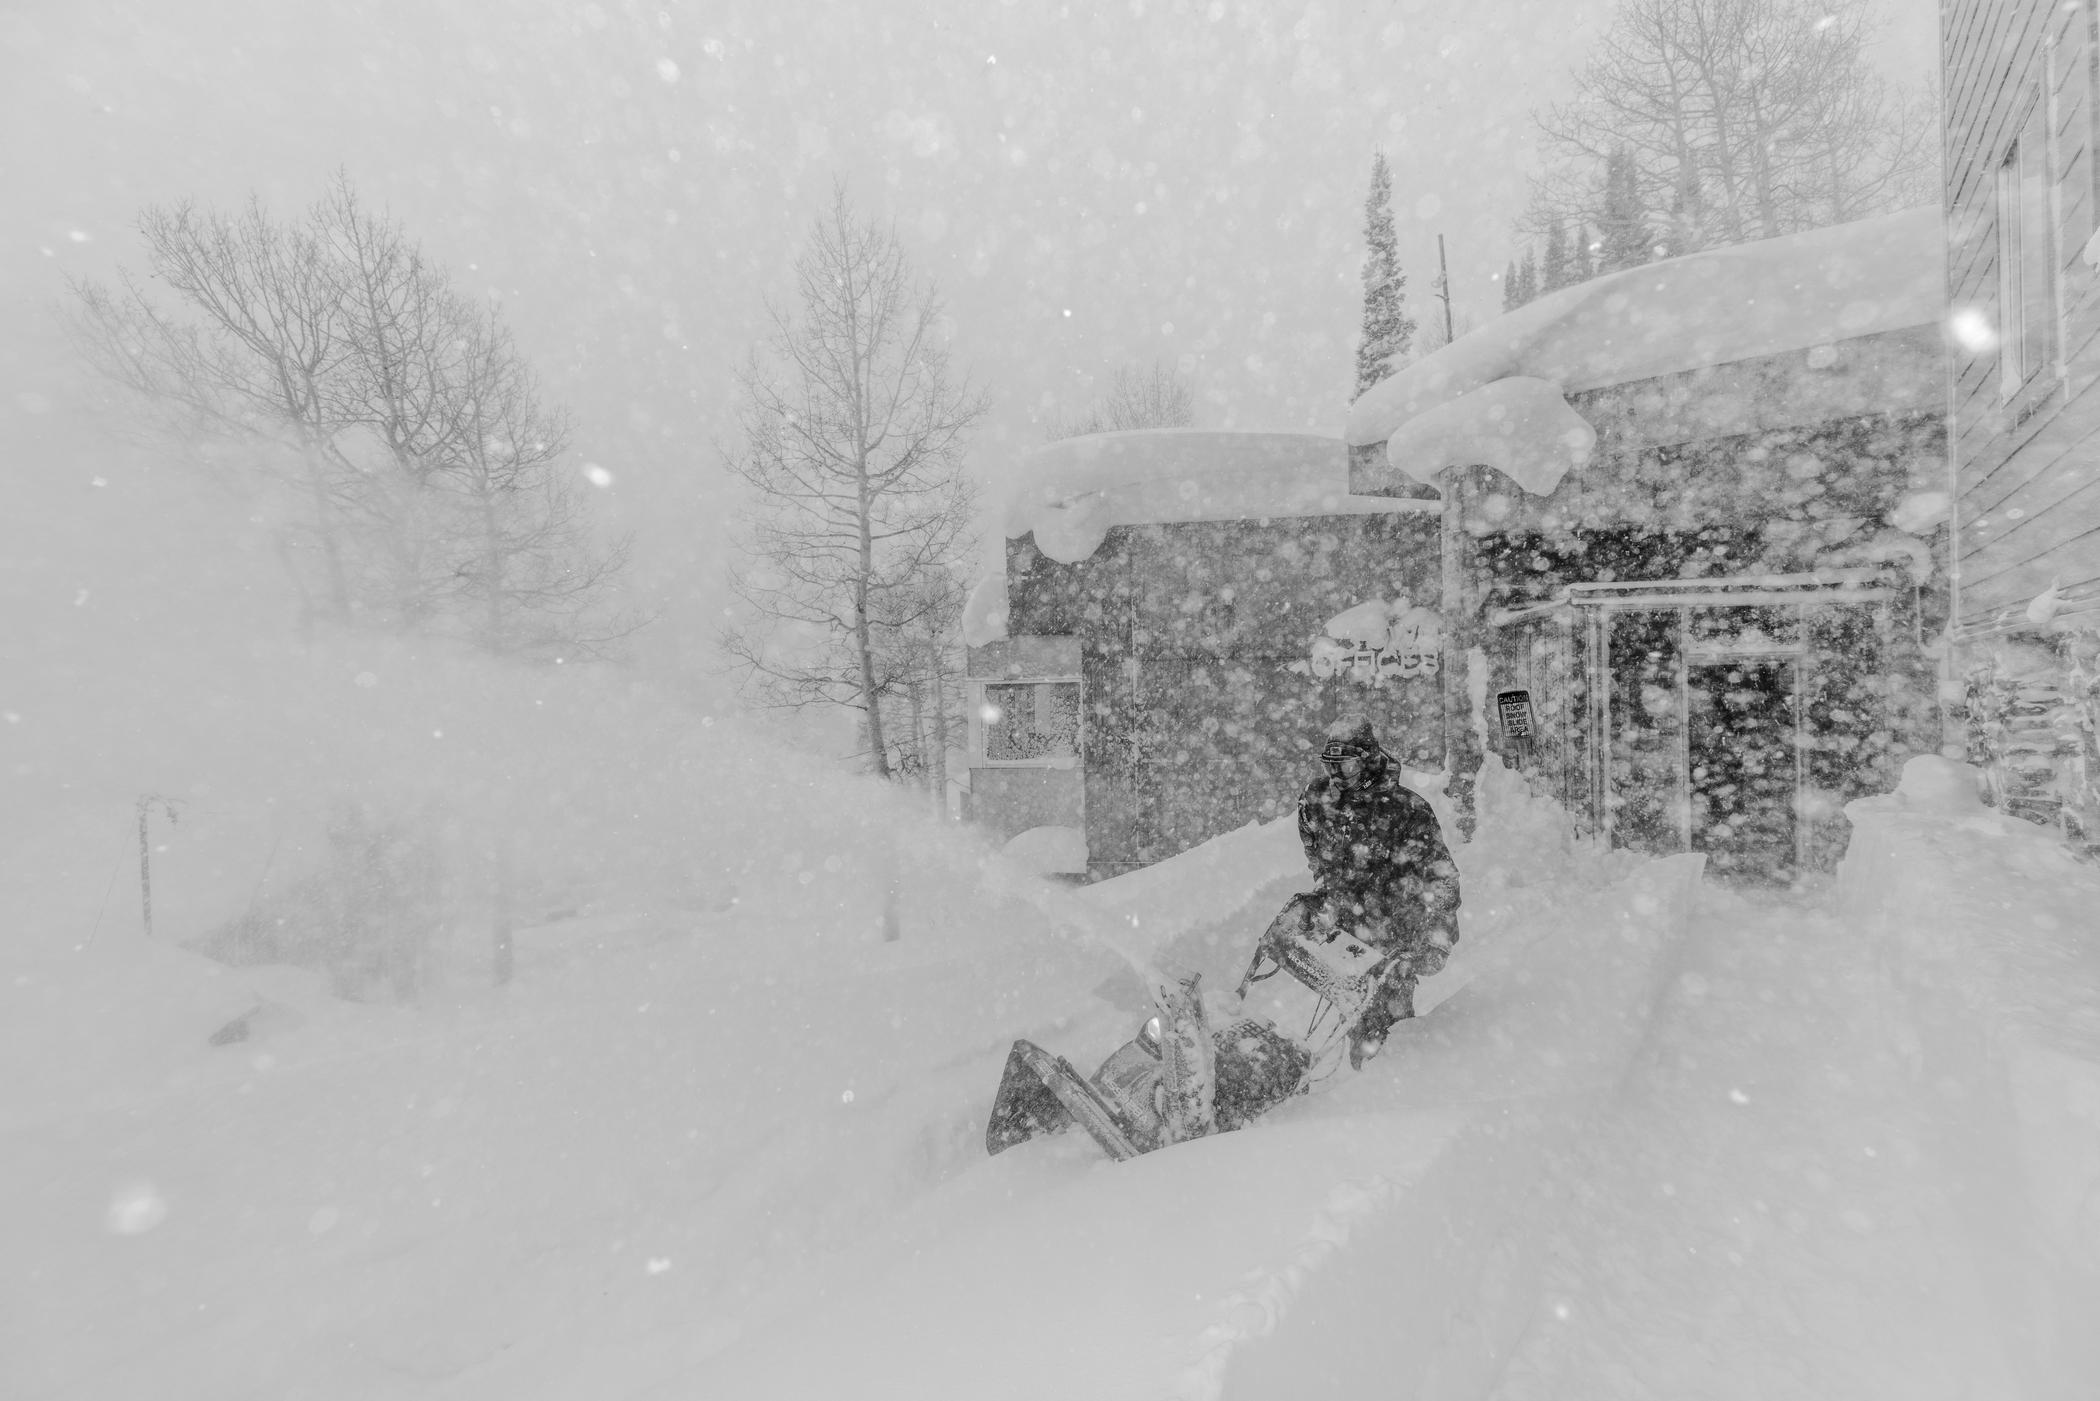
(2027, 238)
(2007, 235)
(979, 730)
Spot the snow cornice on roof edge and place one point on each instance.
(1711, 308)
(1520, 425)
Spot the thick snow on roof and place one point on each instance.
(1710, 308)
(1521, 425)
(1070, 493)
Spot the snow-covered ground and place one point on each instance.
(720, 1138)
(1650, 1138)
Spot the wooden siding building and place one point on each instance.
(2023, 278)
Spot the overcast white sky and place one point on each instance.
(1090, 183)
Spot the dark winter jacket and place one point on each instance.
(1379, 855)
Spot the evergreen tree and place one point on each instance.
(1554, 273)
(1387, 330)
(1528, 279)
(1624, 223)
(1511, 293)
(1582, 265)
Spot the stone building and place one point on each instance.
(1673, 541)
(1693, 537)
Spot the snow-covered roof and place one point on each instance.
(1710, 308)
(1521, 425)
(1070, 493)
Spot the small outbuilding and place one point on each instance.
(1179, 616)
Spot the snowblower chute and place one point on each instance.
(1180, 1077)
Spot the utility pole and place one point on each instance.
(1443, 287)
(146, 804)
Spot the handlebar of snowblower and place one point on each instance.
(1281, 949)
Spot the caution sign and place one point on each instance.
(1514, 709)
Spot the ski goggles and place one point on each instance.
(1342, 761)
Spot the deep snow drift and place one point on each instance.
(1649, 1138)
(719, 1137)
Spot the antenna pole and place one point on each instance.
(1443, 287)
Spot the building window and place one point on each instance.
(2026, 261)
(1029, 722)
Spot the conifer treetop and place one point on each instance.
(1387, 329)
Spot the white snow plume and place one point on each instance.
(1204, 909)
(1050, 850)
(986, 612)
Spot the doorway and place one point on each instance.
(1743, 748)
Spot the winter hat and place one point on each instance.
(1352, 736)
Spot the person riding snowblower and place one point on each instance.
(1385, 913)
(1386, 879)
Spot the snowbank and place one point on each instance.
(1349, 1237)
(1986, 929)
(1049, 850)
(718, 1137)
(1708, 308)
(1070, 493)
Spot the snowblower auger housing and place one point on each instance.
(1179, 1078)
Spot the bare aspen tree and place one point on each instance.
(852, 435)
(399, 414)
(1742, 119)
(254, 363)
(924, 666)
(405, 388)
(530, 574)
(1152, 397)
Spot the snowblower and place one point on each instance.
(1181, 1077)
